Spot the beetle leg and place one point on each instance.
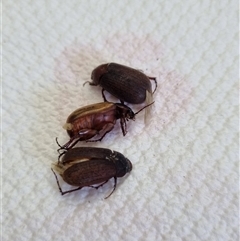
(73, 190)
(58, 142)
(87, 133)
(60, 189)
(107, 128)
(58, 150)
(104, 97)
(69, 144)
(123, 126)
(114, 187)
(61, 155)
(99, 185)
(154, 79)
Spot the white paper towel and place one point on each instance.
(184, 182)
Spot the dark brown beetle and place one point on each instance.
(125, 83)
(87, 166)
(97, 119)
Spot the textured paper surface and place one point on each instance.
(184, 182)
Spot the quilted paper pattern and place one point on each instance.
(184, 182)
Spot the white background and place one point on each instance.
(184, 182)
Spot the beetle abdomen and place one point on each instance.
(89, 125)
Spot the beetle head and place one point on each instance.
(97, 73)
(123, 165)
(123, 111)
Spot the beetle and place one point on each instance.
(96, 119)
(125, 83)
(88, 166)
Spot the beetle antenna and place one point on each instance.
(86, 82)
(143, 108)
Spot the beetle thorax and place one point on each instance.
(97, 73)
(123, 165)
